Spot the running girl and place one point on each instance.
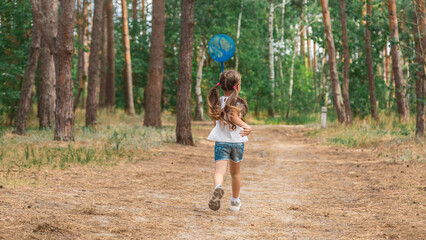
(230, 134)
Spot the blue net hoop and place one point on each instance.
(221, 48)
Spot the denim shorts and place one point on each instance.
(226, 151)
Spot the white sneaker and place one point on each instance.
(235, 205)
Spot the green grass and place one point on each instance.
(394, 141)
(117, 137)
(293, 119)
(367, 132)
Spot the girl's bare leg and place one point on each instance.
(219, 172)
(236, 178)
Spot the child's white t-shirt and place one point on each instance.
(222, 133)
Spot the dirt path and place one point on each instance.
(293, 188)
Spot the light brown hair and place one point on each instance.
(228, 81)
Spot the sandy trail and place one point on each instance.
(292, 188)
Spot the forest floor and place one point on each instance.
(293, 187)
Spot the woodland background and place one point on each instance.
(372, 64)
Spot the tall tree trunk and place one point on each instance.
(338, 101)
(86, 54)
(303, 36)
(346, 101)
(64, 115)
(323, 83)
(296, 42)
(282, 23)
(420, 36)
(314, 70)
(271, 106)
(47, 95)
(281, 50)
(315, 58)
(134, 19)
(143, 10)
(401, 100)
(46, 87)
(30, 72)
(83, 38)
(92, 103)
(143, 17)
(104, 59)
(183, 127)
(134, 10)
(86, 43)
(290, 89)
(384, 77)
(407, 76)
(238, 37)
(387, 66)
(308, 49)
(154, 87)
(128, 81)
(389, 76)
(110, 80)
(369, 61)
(302, 40)
(199, 113)
(278, 67)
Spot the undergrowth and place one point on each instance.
(117, 137)
(393, 139)
(367, 132)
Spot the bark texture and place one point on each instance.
(134, 20)
(369, 61)
(104, 59)
(420, 34)
(128, 81)
(135, 10)
(199, 112)
(46, 86)
(25, 95)
(338, 101)
(110, 81)
(92, 102)
(401, 100)
(143, 17)
(345, 86)
(323, 89)
(64, 115)
(83, 38)
(183, 127)
(143, 10)
(156, 67)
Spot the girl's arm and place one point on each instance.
(237, 120)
